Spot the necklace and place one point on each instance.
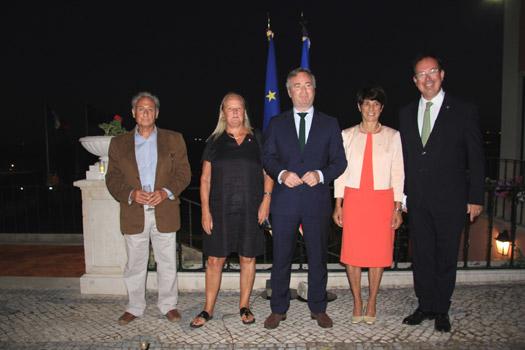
(233, 136)
(376, 129)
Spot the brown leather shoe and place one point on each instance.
(273, 320)
(173, 315)
(126, 318)
(323, 320)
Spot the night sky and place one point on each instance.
(69, 55)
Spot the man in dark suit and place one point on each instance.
(148, 157)
(303, 153)
(444, 176)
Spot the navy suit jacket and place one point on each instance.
(448, 172)
(323, 151)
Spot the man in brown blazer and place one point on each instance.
(148, 169)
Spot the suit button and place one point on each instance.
(423, 153)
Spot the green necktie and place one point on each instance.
(425, 131)
(302, 130)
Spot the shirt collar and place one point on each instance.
(436, 100)
(153, 133)
(310, 112)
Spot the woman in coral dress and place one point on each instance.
(368, 199)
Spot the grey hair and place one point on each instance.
(142, 94)
(221, 123)
(296, 72)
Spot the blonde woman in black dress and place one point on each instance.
(235, 199)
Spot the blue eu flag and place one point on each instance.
(271, 92)
(305, 53)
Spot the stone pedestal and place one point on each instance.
(104, 247)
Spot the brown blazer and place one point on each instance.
(173, 172)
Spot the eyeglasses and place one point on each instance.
(430, 72)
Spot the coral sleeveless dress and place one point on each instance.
(368, 236)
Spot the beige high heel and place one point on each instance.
(357, 319)
(368, 319)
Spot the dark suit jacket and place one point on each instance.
(323, 151)
(448, 172)
(173, 172)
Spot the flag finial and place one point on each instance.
(303, 23)
(269, 33)
(305, 52)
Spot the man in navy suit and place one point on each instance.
(303, 153)
(444, 178)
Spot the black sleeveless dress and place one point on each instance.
(237, 186)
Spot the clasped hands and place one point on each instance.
(291, 179)
(149, 198)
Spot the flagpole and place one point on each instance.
(46, 132)
(86, 125)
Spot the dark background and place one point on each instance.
(84, 60)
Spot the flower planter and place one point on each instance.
(98, 146)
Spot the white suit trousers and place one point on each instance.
(164, 249)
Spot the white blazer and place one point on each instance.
(387, 160)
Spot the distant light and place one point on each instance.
(21, 188)
(50, 188)
(12, 165)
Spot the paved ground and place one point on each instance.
(483, 317)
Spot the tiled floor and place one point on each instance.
(483, 317)
(53, 318)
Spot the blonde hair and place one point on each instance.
(221, 123)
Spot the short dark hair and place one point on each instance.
(422, 56)
(373, 93)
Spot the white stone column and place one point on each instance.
(104, 249)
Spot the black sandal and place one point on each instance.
(205, 316)
(244, 311)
